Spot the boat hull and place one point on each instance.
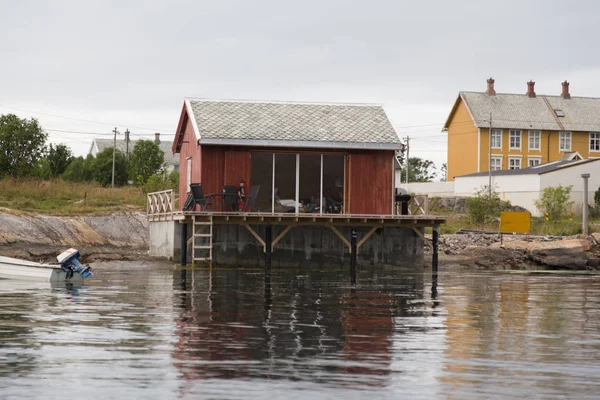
(12, 268)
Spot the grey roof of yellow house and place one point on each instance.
(165, 146)
(536, 169)
(262, 123)
(518, 111)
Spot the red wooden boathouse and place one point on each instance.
(305, 153)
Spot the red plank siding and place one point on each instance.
(370, 181)
(213, 168)
(238, 165)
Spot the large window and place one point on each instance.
(303, 183)
(535, 140)
(564, 141)
(515, 139)
(496, 138)
(514, 162)
(496, 163)
(594, 141)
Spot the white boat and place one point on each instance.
(69, 271)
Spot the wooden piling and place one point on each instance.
(353, 257)
(268, 245)
(434, 240)
(183, 254)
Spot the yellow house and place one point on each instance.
(526, 129)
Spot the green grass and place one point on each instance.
(58, 197)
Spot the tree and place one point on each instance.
(102, 167)
(162, 181)
(59, 157)
(146, 160)
(555, 201)
(79, 170)
(444, 172)
(22, 145)
(419, 170)
(485, 206)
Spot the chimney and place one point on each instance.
(530, 89)
(490, 87)
(565, 90)
(157, 138)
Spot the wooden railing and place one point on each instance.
(418, 205)
(161, 204)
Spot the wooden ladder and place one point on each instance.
(201, 224)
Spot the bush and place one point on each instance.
(162, 181)
(79, 170)
(485, 206)
(102, 168)
(556, 201)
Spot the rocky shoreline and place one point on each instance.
(485, 252)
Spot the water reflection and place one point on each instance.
(149, 330)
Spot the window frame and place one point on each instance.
(539, 140)
(510, 136)
(188, 174)
(531, 158)
(499, 132)
(560, 138)
(515, 158)
(597, 139)
(496, 157)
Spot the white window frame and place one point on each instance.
(594, 136)
(532, 158)
(510, 136)
(496, 158)
(499, 132)
(188, 174)
(538, 134)
(560, 140)
(515, 158)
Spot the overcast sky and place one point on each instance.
(129, 64)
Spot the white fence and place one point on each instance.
(160, 204)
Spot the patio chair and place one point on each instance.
(251, 199)
(199, 198)
(230, 198)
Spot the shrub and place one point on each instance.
(162, 181)
(485, 206)
(556, 201)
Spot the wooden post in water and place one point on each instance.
(268, 245)
(434, 258)
(353, 256)
(183, 254)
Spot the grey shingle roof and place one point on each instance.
(170, 158)
(295, 122)
(518, 111)
(536, 169)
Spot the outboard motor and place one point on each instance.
(69, 262)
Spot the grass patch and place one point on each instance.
(58, 197)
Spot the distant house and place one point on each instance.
(526, 129)
(171, 160)
(300, 153)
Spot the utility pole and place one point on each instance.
(407, 159)
(490, 160)
(114, 154)
(585, 203)
(127, 144)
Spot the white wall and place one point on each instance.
(572, 176)
(440, 189)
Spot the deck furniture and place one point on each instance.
(197, 198)
(249, 204)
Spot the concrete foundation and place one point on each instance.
(164, 239)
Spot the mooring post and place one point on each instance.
(268, 241)
(434, 258)
(353, 256)
(183, 253)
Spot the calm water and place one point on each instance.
(145, 331)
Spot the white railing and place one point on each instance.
(161, 203)
(418, 205)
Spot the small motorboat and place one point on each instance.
(67, 268)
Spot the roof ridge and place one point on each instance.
(525, 95)
(283, 102)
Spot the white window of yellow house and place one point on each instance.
(535, 140)
(514, 162)
(514, 140)
(533, 161)
(594, 141)
(564, 141)
(496, 163)
(496, 138)
(188, 173)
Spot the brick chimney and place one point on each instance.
(157, 138)
(530, 89)
(490, 87)
(565, 90)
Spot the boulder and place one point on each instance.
(520, 245)
(596, 237)
(567, 254)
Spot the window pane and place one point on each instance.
(333, 183)
(310, 182)
(285, 183)
(262, 174)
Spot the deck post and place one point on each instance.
(183, 254)
(353, 251)
(434, 259)
(268, 246)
